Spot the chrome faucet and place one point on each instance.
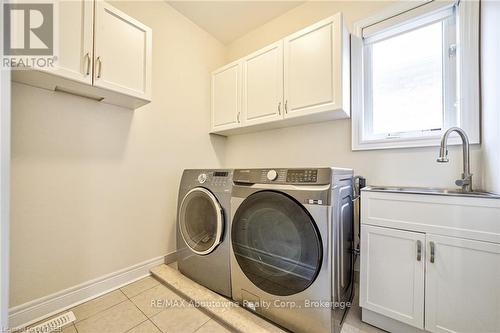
(466, 181)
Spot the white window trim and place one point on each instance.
(467, 76)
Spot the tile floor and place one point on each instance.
(129, 309)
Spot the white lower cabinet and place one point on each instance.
(430, 263)
(462, 292)
(392, 274)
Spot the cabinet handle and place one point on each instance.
(433, 251)
(99, 61)
(279, 108)
(286, 107)
(238, 117)
(87, 63)
(419, 250)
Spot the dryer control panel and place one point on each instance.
(214, 178)
(302, 176)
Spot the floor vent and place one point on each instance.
(54, 324)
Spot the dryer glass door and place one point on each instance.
(201, 221)
(276, 243)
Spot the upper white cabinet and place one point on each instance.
(122, 52)
(76, 19)
(300, 79)
(263, 85)
(103, 54)
(317, 70)
(226, 96)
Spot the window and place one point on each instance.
(406, 77)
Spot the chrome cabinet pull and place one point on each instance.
(419, 250)
(238, 116)
(433, 251)
(279, 108)
(87, 63)
(286, 106)
(99, 61)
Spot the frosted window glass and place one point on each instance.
(407, 81)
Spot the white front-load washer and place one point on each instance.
(203, 237)
(291, 245)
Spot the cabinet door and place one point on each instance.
(75, 49)
(263, 85)
(123, 52)
(226, 97)
(462, 285)
(392, 274)
(313, 68)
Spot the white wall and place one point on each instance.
(329, 143)
(94, 186)
(490, 85)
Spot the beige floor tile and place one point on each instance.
(139, 286)
(145, 327)
(97, 305)
(154, 300)
(180, 320)
(118, 319)
(212, 327)
(69, 329)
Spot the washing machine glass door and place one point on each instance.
(276, 243)
(201, 221)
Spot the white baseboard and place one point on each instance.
(38, 309)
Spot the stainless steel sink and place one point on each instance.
(431, 191)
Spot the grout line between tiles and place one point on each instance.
(199, 328)
(106, 309)
(130, 298)
(148, 318)
(109, 307)
(142, 322)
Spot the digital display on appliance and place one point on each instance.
(220, 174)
(302, 176)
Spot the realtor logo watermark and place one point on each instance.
(29, 34)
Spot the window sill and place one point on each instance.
(401, 143)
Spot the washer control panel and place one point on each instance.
(283, 176)
(302, 176)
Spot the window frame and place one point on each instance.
(466, 88)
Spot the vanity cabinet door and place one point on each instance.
(392, 274)
(462, 285)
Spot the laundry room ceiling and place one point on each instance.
(229, 20)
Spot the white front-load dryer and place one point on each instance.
(203, 230)
(291, 243)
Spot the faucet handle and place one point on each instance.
(465, 181)
(462, 182)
